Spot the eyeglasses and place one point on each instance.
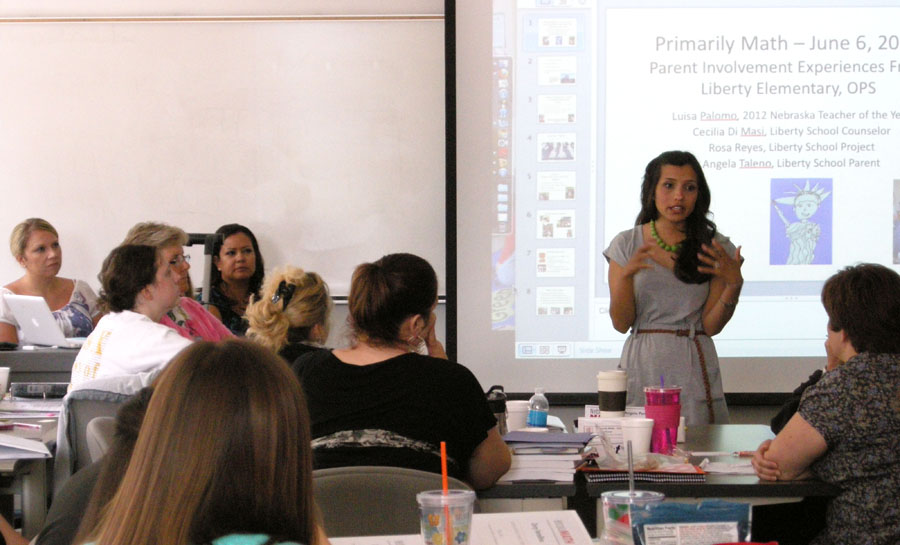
(179, 259)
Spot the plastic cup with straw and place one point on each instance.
(446, 515)
(618, 505)
(446, 489)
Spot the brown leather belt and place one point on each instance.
(693, 334)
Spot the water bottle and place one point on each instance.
(538, 407)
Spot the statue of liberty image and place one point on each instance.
(803, 234)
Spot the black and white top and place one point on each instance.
(393, 413)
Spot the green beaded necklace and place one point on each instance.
(674, 248)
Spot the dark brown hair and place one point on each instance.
(126, 271)
(864, 301)
(699, 228)
(224, 448)
(385, 293)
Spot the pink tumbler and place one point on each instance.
(663, 405)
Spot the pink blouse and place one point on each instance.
(194, 322)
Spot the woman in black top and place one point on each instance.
(381, 402)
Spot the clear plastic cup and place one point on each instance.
(618, 506)
(434, 510)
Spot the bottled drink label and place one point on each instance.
(537, 419)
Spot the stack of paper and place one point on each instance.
(544, 456)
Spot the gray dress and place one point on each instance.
(662, 302)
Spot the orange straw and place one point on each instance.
(446, 488)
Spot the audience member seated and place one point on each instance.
(84, 495)
(381, 403)
(35, 245)
(236, 275)
(138, 288)
(291, 317)
(187, 317)
(222, 456)
(847, 428)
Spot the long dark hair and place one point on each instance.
(257, 279)
(699, 229)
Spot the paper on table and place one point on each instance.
(529, 528)
(412, 539)
(18, 448)
(741, 467)
(524, 528)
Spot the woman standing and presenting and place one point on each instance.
(35, 245)
(237, 274)
(674, 282)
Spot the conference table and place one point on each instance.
(39, 364)
(584, 497)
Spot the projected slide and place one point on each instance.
(793, 112)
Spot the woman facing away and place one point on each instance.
(187, 317)
(674, 282)
(847, 428)
(35, 245)
(222, 457)
(291, 317)
(237, 275)
(380, 402)
(138, 288)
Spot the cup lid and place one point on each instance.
(454, 496)
(639, 497)
(662, 389)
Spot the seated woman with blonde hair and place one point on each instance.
(380, 402)
(187, 317)
(35, 245)
(847, 428)
(222, 457)
(291, 316)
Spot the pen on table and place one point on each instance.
(739, 453)
(14, 425)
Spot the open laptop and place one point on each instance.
(37, 323)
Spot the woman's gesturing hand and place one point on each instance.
(717, 262)
(638, 260)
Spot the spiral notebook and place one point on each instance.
(683, 474)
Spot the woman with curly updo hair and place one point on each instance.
(291, 316)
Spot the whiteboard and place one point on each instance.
(325, 137)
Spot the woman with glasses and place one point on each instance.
(188, 317)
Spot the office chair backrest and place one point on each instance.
(100, 433)
(93, 398)
(373, 500)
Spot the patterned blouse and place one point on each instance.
(856, 408)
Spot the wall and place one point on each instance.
(318, 124)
